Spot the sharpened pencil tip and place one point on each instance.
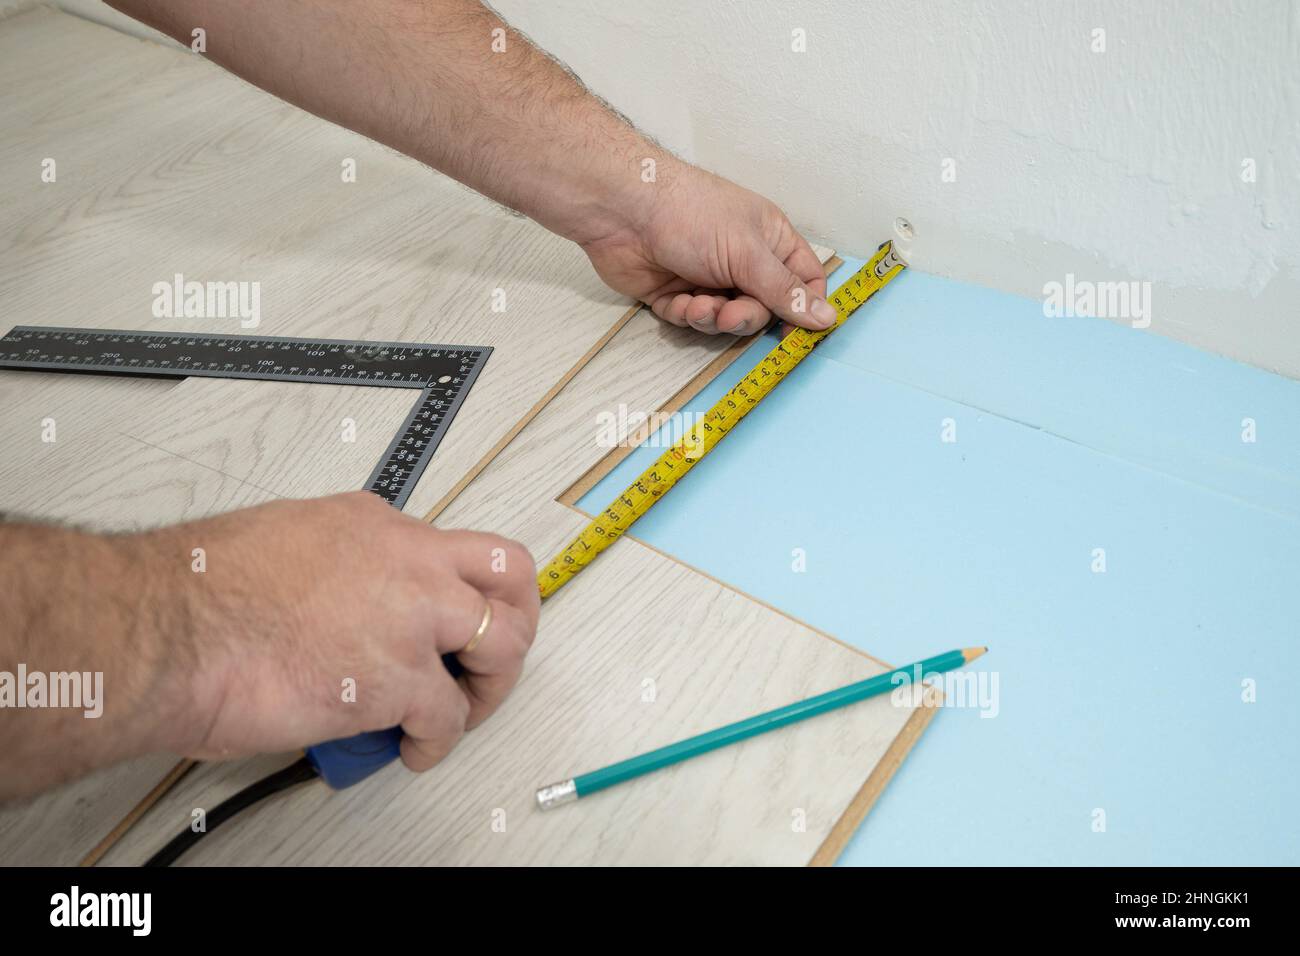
(970, 653)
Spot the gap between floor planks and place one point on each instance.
(849, 821)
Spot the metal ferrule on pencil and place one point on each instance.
(570, 790)
(552, 795)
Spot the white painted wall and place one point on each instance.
(1124, 164)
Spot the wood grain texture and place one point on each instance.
(637, 652)
(94, 476)
(136, 813)
(168, 165)
(842, 832)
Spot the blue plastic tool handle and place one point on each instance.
(341, 763)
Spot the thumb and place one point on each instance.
(772, 283)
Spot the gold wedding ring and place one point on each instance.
(482, 629)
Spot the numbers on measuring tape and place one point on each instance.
(663, 475)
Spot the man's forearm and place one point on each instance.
(93, 660)
(444, 81)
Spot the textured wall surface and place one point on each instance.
(1122, 164)
(1125, 164)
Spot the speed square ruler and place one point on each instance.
(442, 373)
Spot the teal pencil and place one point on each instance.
(588, 783)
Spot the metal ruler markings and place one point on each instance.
(444, 375)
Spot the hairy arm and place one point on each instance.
(83, 604)
(450, 84)
(250, 654)
(422, 77)
(305, 621)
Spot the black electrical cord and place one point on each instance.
(292, 775)
(298, 772)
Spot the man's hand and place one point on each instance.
(305, 621)
(301, 597)
(321, 619)
(446, 81)
(703, 237)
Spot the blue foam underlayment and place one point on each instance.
(1118, 691)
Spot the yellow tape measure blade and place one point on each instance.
(653, 483)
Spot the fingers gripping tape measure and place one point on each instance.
(444, 374)
(717, 422)
(345, 762)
